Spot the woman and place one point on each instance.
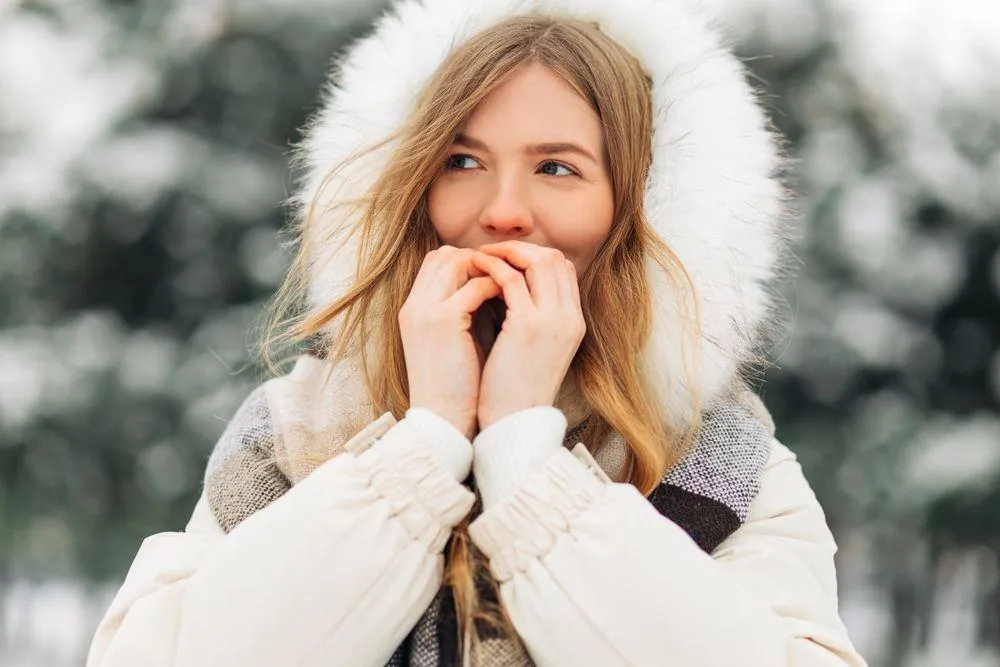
(543, 243)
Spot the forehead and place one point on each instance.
(534, 105)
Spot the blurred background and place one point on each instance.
(143, 165)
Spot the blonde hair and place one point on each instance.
(395, 233)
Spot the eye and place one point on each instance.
(547, 169)
(460, 161)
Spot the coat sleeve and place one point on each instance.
(343, 564)
(592, 574)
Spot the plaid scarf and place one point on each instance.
(290, 425)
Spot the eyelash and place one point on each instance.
(448, 165)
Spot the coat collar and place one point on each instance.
(712, 193)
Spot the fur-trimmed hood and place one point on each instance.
(712, 191)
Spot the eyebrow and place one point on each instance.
(547, 148)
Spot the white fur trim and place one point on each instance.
(712, 194)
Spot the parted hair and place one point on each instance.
(394, 234)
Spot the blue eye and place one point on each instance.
(557, 165)
(463, 162)
(456, 161)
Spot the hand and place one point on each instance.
(443, 362)
(541, 332)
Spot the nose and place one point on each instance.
(507, 215)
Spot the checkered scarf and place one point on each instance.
(290, 425)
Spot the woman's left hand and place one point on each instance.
(541, 332)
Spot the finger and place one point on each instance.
(451, 274)
(539, 263)
(574, 281)
(460, 267)
(473, 270)
(515, 290)
(474, 294)
(521, 253)
(426, 274)
(571, 292)
(564, 278)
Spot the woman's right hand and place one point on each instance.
(443, 363)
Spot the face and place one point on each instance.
(528, 164)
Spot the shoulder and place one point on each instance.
(202, 519)
(785, 523)
(786, 501)
(784, 554)
(783, 486)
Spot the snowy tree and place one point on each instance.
(143, 166)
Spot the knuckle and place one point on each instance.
(453, 255)
(510, 279)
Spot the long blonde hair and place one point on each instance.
(394, 233)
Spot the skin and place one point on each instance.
(521, 207)
(498, 188)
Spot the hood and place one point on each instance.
(712, 194)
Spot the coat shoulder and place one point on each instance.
(786, 493)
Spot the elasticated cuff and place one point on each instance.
(525, 526)
(449, 447)
(425, 497)
(507, 451)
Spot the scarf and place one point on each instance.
(290, 425)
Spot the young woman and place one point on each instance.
(535, 257)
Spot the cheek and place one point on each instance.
(449, 213)
(580, 230)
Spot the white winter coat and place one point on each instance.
(338, 570)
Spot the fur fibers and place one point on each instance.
(713, 193)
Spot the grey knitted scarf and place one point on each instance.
(708, 494)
